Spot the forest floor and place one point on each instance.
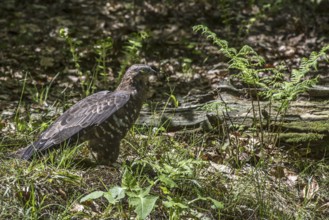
(171, 175)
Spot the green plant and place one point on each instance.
(41, 96)
(88, 79)
(21, 125)
(173, 175)
(102, 48)
(227, 13)
(73, 44)
(132, 51)
(275, 87)
(138, 198)
(186, 66)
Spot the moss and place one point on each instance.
(315, 126)
(300, 137)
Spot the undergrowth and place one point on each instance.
(227, 172)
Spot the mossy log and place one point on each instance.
(304, 123)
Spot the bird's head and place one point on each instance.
(137, 76)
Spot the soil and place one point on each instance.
(31, 46)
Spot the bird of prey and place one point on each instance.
(103, 118)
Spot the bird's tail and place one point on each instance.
(28, 152)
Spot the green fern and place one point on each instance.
(275, 87)
(249, 64)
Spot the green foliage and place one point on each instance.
(132, 51)
(275, 87)
(287, 91)
(25, 123)
(92, 196)
(28, 187)
(227, 14)
(139, 198)
(20, 125)
(115, 194)
(186, 65)
(174, 176)
(177, 172)
(142, 201)
(102, 48)
(175, 179)
(88, 79)
(73, 44)
(65, 157)
(41, 96)
(174, 100)
(165, 176)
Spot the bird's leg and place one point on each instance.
(104, 151)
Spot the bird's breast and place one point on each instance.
(116, 126)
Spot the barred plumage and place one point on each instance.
(103, 118)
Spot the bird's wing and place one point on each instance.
(88, 112)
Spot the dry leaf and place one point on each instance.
(77, 208)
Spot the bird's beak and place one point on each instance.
(154, 71)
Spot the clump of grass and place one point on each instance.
(254, 192)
